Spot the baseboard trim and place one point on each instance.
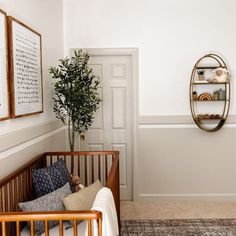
(18, 137)
(190, 197)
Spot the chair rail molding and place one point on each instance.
(14, 138)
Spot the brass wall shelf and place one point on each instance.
(209, 67)
(196, 85)
(210, 100)
(202, 83)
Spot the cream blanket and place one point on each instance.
(104, 202)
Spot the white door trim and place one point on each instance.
(134, 53)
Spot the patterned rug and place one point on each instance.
(197, 227)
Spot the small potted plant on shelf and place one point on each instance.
(76, 98)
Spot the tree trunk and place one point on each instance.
(71, 136)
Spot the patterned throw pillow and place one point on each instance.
(50, 202)
(48, 179)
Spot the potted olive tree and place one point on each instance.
(76, 97)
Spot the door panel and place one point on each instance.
(112, 126)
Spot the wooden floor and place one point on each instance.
(177, 210)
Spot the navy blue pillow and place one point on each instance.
(49, 179)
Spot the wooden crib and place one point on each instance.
(17, 187)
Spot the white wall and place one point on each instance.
(171, 35)
(23, 138)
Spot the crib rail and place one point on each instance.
(73, 216)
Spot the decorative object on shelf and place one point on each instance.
(218, 77)
(25, 57)
(195, 95)
(201, 75)
(204, 97)
(4, 91)
(208, 117)
(215, 96)
(222, 94)
(76, 97)
(200, 116)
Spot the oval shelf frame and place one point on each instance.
(225, 113)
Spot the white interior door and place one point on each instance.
(112, 126)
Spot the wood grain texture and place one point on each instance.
(7, 68)
(17, 187)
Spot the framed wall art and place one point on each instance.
(4, 85)
(25, 57)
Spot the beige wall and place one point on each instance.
(23, 138)
(183, 162)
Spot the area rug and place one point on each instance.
(195, 227)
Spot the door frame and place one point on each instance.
(134, 54)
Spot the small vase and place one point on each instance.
(216, 95)
(221, 94)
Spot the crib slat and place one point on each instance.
(72, 164)
(106, 168)
(15, 194)
(74, 228)
(6, 198)
(78, 165)
(85, 166)
(4, 229)
(32, 228)
(23, 186)
(46, 228)
(11, 196)
(27, 183)
(17, 228)
(92, 168)
(20, 188)
(99, 167)
(89, 227)
(61, 228)
(99, 227)
(30, 180)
